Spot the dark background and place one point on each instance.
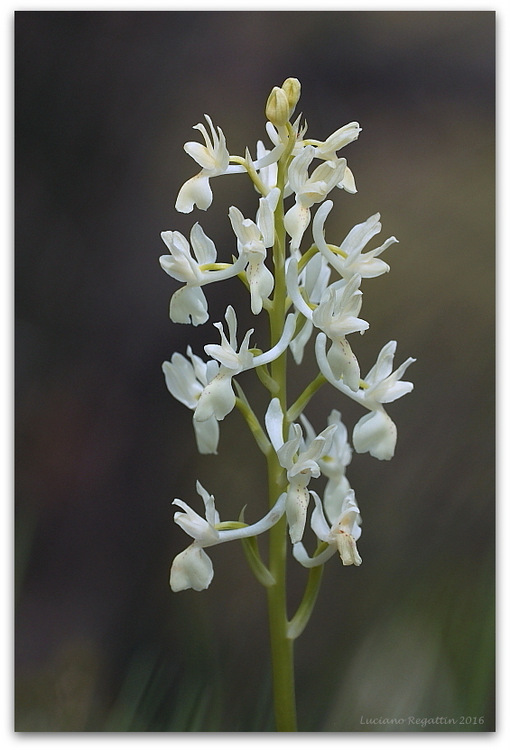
(103, 104)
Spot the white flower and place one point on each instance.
(214, 160)
(375, 433)
(327, 150)
(186, 380)
(384, 385)
(342, 137)
(192, 568)
(336, 315)
(333, 463)
(349, 259)
(267, 165)
(309, 190)
(341, 533)
(313, 280)
(253, 239)
(218, 397)
(301, 462)
(189, 302)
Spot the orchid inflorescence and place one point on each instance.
(305, 291)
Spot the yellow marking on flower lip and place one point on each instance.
(229, 525)
(215, 266)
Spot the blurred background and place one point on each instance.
(104, 102)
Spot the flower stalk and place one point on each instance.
(281, 645)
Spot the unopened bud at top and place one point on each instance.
(277, 107)
(292, 89)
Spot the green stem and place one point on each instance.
(282, 651)
(259, 570)
(252, 422)
(281, 645)
(248, 165)
(308, 255)
(303, 613)
(266, 379)
(302, 400)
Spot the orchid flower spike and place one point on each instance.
(192, 568)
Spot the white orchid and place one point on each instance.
(300, 292)
(186, 380)
(213, 157)
(189, 302)
(339, 139)
(253, 239)
(340, 532)
(349, 260)
(218, 397)
(333, 463)
(375, 433)
(309, 189)
(336, 315)
(384, 384)
(327, 150)
(313, 280)
(192, 568)
(301, 462)
(267, 165)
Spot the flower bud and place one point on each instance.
(277, 107)
(292, 89)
